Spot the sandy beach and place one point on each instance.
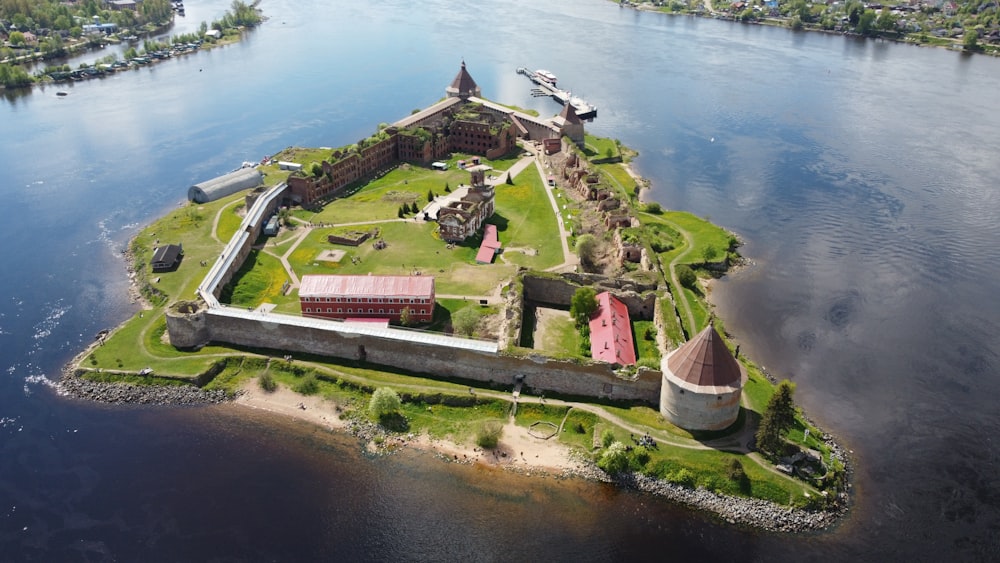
(518, 449)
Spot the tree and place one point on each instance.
(970, 41)
(430, 196)
(866, 22)
(583, 305)
(384, 402)
(854, 10)
(399, 212)
(709, 253)
(614, 460)
(778, 418)
(586, 248)
(686, 276)
(653, 208)
(16, 38)
(465, 321)
(886, 20)
(316, 169)
(405, 316)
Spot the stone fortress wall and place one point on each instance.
(192, 324)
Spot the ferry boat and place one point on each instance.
(546, 76)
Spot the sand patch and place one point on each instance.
(517, 448)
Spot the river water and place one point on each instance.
(862, 175)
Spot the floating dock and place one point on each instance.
(584, 110)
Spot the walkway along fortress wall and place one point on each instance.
(190, 324)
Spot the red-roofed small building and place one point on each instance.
(490, 245)
(358, 297)
(611, 332)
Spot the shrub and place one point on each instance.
(384, 402)
(653, 207)
(614, 460)
(489, 434)
(267, 382)
(640, 456)
(686, 276)
(607, 438)
(308, 385)
(683, 477)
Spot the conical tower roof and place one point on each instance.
(705, 361)
(463, 85)
(569, 114)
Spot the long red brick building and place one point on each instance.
(367, 297)
(462, 122)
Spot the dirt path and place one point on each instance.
(673, 277)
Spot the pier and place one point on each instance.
(584, 110)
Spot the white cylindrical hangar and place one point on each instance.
(702, 384)
(227, 184)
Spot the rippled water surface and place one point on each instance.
(862, 175)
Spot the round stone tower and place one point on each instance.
(187, 324)
(702, 384)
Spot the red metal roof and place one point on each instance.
(490, 245)
(705, 361)
(490, 237)
(383, 286)
(611, 332)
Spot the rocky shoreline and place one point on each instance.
(129, 394)
(740, 511)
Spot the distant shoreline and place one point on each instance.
(725, 16)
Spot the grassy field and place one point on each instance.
(410, 247)
(524, 221)
(646, 348)
(560, 337)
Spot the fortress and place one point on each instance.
(462, 122)
(694, 389)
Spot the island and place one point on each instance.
(483, 282)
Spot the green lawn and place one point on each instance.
(411, 246)
(524, 221)
(671, 325)
(703, 234)
(599, 147)
(561, 338)
(258, 281)
(646, 348)
(230, 218)
(190, 226)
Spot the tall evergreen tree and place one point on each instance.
(779, 416)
